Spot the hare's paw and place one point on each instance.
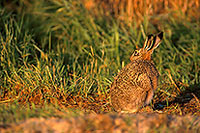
(129, 111)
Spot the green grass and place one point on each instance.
(15, 112)
(56, 52)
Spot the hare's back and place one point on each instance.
(132, 71)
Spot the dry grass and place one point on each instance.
(137, 10)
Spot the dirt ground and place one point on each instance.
(181, 115)
(142, 122)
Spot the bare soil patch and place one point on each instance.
(142, 122)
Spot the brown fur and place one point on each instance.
(135, 84)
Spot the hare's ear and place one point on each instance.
(148, 41)
(157, 40)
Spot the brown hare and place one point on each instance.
(135, 84)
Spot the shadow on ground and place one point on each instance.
(187, 102)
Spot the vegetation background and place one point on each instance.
(60, 57)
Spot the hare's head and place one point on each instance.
(150, 44)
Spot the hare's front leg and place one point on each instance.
(149, 97)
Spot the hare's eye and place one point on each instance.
(136, 53)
